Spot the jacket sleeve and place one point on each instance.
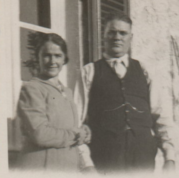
(32, 112)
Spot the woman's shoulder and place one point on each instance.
(32, 84)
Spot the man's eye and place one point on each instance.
(112, 32)
(58, 55)
(123, 33)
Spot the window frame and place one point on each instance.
(57, 9)
(93, 49)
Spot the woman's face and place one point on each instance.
(51, 60)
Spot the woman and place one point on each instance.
(47, 112)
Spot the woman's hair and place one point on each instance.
(37, 40)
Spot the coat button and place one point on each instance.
(123, 88)
(127, 111)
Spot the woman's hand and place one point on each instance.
(84, 135)
(88, 135)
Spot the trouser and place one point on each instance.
(131, 150)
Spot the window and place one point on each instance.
(27, 16)
(93, 14)
(31, 16)
(35, 12)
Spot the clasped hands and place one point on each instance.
(83, 135)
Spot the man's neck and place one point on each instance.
(124, 58)
(108, 57)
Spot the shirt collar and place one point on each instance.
(124, 58)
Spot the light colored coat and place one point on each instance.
(48, 119)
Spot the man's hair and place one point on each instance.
(37, 40)
(117, 16)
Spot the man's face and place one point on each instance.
(117, 38)
(51, 60)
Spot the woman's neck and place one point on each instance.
(53, 80)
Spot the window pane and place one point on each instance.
(36, 12)
(89, 15)
(25, 54)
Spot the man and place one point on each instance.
(118, 106)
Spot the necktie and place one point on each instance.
(119, 68)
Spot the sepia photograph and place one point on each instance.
(89, 88)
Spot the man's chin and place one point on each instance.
(116, 54)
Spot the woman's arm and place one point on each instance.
(32, 111)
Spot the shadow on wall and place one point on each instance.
(15, 140)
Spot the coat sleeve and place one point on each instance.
(32, 112)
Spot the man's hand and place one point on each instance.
(169, 165)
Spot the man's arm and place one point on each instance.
(162, 116)
(81, 97)
(82, 88)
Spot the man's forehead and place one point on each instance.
(117, 21)
(116, 24)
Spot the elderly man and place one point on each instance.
(118, 106)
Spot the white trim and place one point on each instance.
(15, 31)
(6, 56)
(57, 9)
(5, 99)
(34, 27)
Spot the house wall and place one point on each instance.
(154, 21)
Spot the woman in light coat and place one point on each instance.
(47, 112)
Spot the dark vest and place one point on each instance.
(116, 102)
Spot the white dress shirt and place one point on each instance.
(164, 123)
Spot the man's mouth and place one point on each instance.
(52, 66)
(116, 43)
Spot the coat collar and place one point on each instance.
(60, 87)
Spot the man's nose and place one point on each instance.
(117, 36)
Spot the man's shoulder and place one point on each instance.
(134, 60)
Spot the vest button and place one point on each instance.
(127, 111)
(123, 88)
